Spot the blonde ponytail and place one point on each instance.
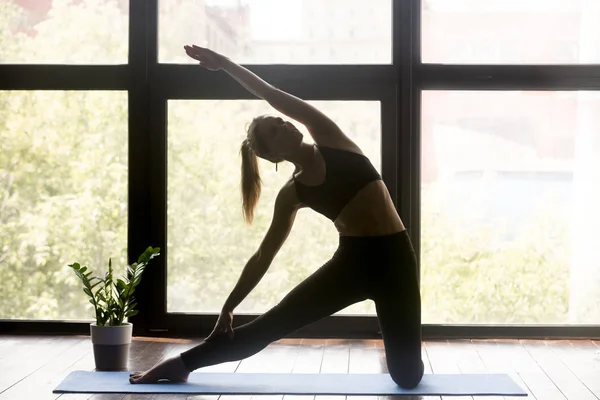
(250, 183)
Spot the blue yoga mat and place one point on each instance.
(295, 384)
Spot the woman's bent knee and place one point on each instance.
(407, 377)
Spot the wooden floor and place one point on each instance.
(31, 366)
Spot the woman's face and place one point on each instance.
(275, 138)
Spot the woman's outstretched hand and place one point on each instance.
(223, 326)
(207, 58)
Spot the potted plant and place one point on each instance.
(113, 303)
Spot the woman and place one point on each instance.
(375, 258)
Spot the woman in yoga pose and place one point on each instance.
(375, 258)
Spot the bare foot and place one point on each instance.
(172, 370)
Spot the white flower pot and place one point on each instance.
(111, 346)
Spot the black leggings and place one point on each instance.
(380, 268)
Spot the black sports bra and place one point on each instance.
(346, 173)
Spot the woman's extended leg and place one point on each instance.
(398, 303)
(331, 288)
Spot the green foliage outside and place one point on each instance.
(476, 276)
(63, 174)
(63, 170)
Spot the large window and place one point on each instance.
(511, 32)
(510, 216)
(63, 197)
(482, 117)
(279, 32)
(209, 242)
(64, 32)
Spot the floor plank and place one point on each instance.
(580, 359)
(85, 363)
(308, 361)
(443, 361)
(469, 361)
(519, 360)
(488, 351)
(564, 379)
(39, 384)
(336, 357)
(364, 358)
(19, 364)
(275, 358)
(11, 344)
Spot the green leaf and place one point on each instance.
(88, 292)
(96, 284)
(121, 284)
(131, 306)
(131, 313)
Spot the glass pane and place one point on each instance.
(209, 242)
(64, 32)
(63, 188)
(510, 216)
(279, 32)
(510, 32)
